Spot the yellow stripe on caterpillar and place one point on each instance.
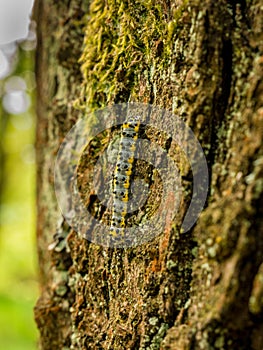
(126, 184)
(125, 198)
(128, 172)
(116, 231)
(131, 126)
(131, 160)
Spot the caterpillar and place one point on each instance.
(122, 175)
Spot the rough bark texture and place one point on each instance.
(202, 60)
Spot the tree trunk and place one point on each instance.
(201, 60)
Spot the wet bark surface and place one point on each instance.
(201, 60)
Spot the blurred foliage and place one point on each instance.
(18, 262)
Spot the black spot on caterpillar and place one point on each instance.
(122, 175)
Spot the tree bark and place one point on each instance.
(201, 60)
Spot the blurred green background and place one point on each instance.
(18, 260)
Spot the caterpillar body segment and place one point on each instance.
(122, 175)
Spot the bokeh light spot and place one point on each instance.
(16, 102)
(4, 65)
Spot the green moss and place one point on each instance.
(122, 40)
